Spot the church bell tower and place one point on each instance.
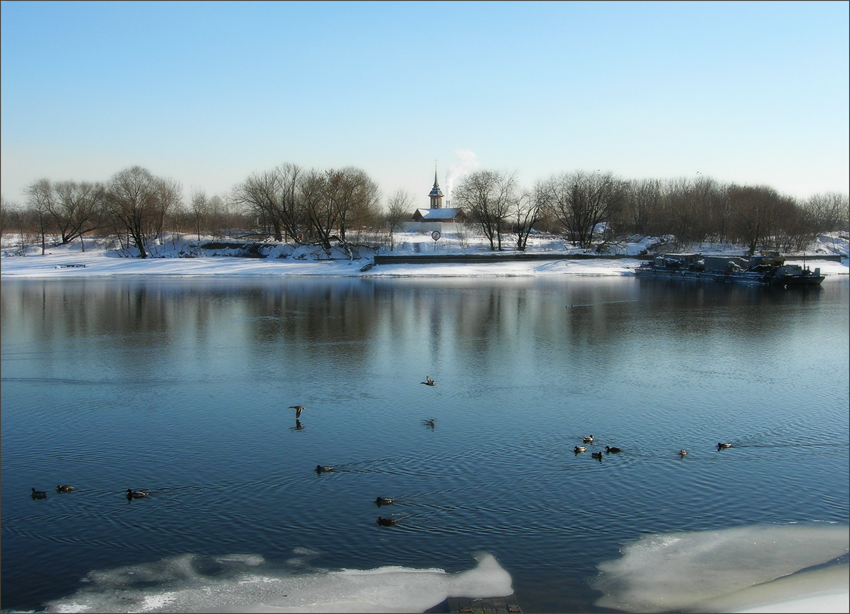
(436, 194)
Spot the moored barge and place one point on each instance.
(766, 268)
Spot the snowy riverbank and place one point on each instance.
(287, 260)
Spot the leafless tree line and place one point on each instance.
(133, 206)
(323, 207)
(590, 207)
(287, 203)
(332, 207)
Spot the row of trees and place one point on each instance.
(132, 204)
(586, 205)
(311, 205)
(328, 207)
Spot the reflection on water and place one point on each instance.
(184, 387)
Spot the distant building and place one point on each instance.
(438, 213)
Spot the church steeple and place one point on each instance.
(436, 194)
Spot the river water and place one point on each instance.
(183, 387)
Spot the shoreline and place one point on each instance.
(67, 264)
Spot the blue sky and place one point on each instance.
(208, 93)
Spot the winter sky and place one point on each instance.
(209, 92)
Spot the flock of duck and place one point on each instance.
(614, 450)
(66, 488)
(384, 522)
(299, 409)
(596, 455)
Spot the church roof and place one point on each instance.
(436, 215)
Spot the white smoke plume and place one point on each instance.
(468, 163)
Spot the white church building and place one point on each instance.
(436, 216)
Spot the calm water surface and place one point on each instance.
(183, 387)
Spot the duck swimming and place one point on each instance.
(384, 501)
(136, 494)
(597, 455)
(66, 488)
(298, 409)
(430, 423)
(683, 452)
(323, 469)
(386, 522)
(579, 449)
(723, 446)
(610, 450)
(38, 494)
(588, 439)
(428, 381)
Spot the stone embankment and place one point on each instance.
(494, 257)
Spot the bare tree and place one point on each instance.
(488, 196)
(526, 211)
(756, 212)
(398, 208)
(321, 213)
(138, 202)
(354, 196)
(829, 211)
(260, 193)
(41, 198)
(199, 209)
(581, 201)
(273, 196)
(220, 214)
(795, 228)
(290, 208)
(5, 214)
(169, 194)
(77, 208)
(642, 212)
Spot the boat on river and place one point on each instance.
(767, 268)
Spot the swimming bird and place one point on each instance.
(430, 423)
(588, 439)
(596, 455)
(323, 469)
(428, 381)
(579, 449)
(610, 450)
(683, 452)
(386, 522)
(136, 494)
(64, 488)
(38, 494)
(298, 409)
(723, 446)
(384, 501)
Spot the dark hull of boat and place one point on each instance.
(747, 277)
(750, 278)
(797, 280)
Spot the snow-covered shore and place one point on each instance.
(170, 259)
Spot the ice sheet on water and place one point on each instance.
(687, 571)
(246, 583)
